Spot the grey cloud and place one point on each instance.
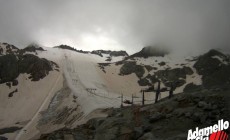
(185, 26)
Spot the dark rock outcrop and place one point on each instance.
(149, 68)
(174, 74)
(9, 68)
(37, 67)
(3, 138)
(192, 87)
(9, 129)
(144, 82)
(32, 48)
(103, 65)
(10, 49)
(111, 53)
(132, 67)
(177, 75)
(149, 51)
(214, 72)
(118, 53)
(12, 65)
(70, 48)
(11, 94)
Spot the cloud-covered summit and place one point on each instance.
(185, 26)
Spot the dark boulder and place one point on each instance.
(176, 76)
(144, 82)
(161, 63)
(149, 68)
(132, 67)
(192, 87)
(9, 68)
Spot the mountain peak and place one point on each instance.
(149, 51)
(32, 48)
(70, 48)
(214, 52)
(6, 48)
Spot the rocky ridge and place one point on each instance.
(15, 62)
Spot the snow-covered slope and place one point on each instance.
(86, 82)
(128, 84)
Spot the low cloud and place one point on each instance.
(184, 26)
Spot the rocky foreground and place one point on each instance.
(170, 119)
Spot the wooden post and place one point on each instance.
(132, 99)
(158, 91)
(121, 100)
(143, 97)
(171, 91)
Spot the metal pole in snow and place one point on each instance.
(143, 97)
(121, 100)
(132, 99)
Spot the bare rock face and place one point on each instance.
(66, 47)
(167, 76)
(215, 67)
(132, 67)
(111, 53)
(8, 68)
(32, 48)
(118, 53)
(13, 64)
(37, 67)
(6, 48)
(192, 87)
(150, 51)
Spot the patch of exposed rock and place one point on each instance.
(214, 67)
(131, 67)
(12, 65)
(150, 51)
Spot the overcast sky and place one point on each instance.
(184, 26)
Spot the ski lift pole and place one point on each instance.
(143, 97)
(158, 91)
(121, 100)
(132, 99)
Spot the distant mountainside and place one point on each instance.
(32, 48)
(65, 93)
(150, 68)
(6, 48)
(203, 84)
(107, 53)
(110, 53)
(214, 67)
(150, 51)
(70, 48)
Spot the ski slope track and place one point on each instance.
(50, 94)
(82, 76)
